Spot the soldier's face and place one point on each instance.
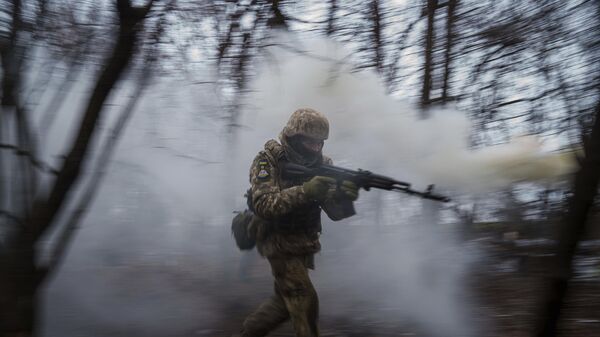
(312, 145)
(306, 146)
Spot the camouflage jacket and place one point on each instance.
(291, 223)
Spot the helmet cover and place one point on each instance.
(307, 122)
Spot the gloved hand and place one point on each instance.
(318, 188)
(349, 190)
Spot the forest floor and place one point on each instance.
(187, 294)
(506, 292)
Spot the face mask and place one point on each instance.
(306, 146)
(298, 153)
(312, 145)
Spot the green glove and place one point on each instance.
(349, 190)
(318, 188)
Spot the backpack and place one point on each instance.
(243, 226)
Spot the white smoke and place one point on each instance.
(370, 129)
(415, 273)
(171, 175)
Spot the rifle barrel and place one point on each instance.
(362, 178)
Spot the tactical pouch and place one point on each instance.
(243, 230)
(338, 209)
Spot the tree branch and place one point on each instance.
(67, 233)
(44, 211)
(34, 161)
(12, 217)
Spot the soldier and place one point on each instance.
(289, 225)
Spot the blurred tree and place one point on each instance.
(331, 17)
(437, 53)
(573, 227)
(28, 215)
(516, 66)
(524, 63)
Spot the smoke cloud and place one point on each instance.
(372, 130)
(415, 272)
(165, 209)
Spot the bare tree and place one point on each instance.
(429, 38)
(376, 37)
(573, 226)
(20, 288)
(450, 23)
(333, 6)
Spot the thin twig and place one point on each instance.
(66, 235)
(12, 217)
(34, 161)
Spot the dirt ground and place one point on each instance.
(187, 294)
(506, 307)
(506, 292)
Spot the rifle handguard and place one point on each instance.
(362, 178)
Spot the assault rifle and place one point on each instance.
(362, 178)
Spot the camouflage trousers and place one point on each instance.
(295, 298)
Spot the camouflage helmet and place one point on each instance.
(307, 122)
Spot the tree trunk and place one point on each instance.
(428, 51)
(448, 50)
(572, 228)
(331, 17)
(20, 288)
(376, 34)
(11, 60)
(278, 20)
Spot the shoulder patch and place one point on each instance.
(263, 169)
(263, 174)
